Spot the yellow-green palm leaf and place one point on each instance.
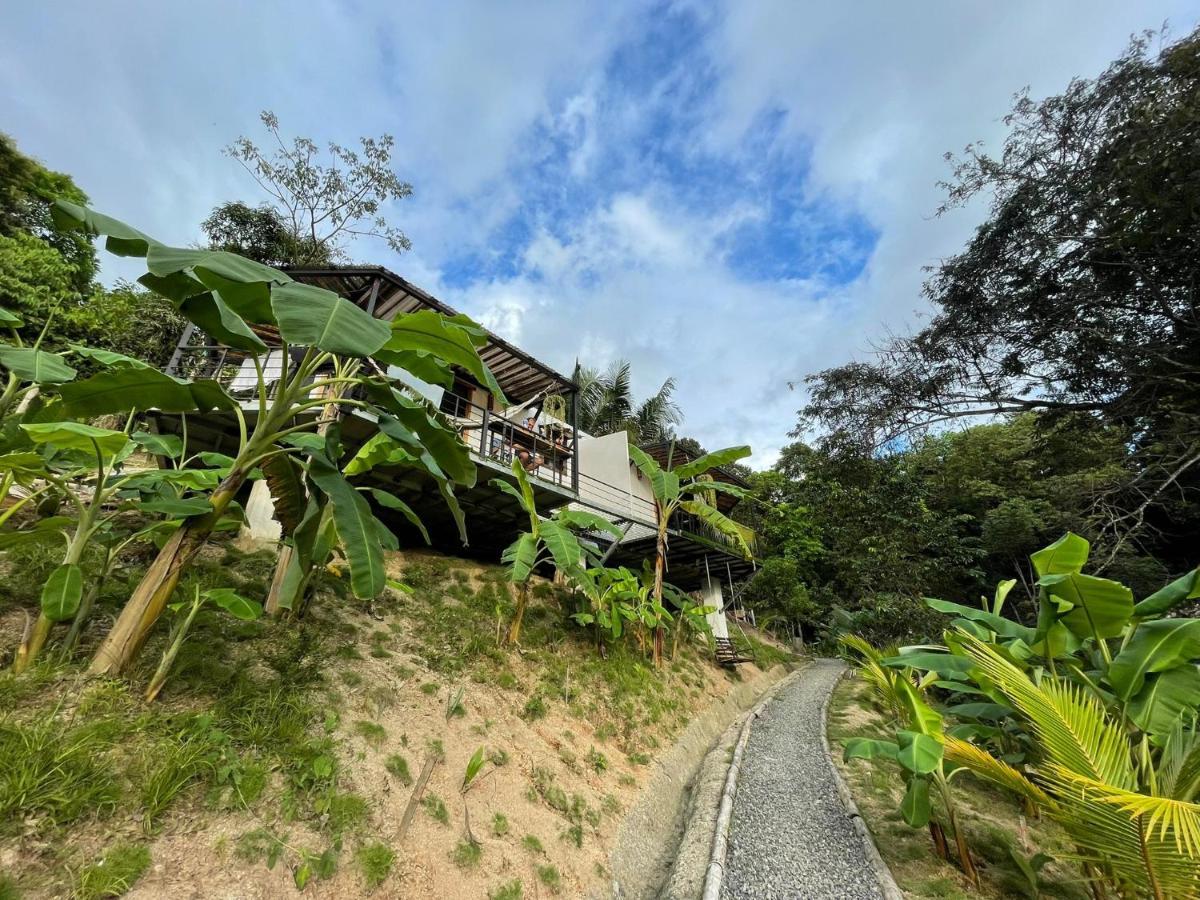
(1070, 724)
(982, 764)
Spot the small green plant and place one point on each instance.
(229, 600)
(429, 688)
(454, 705)
(531, 843)
(346, 812)
(548, 875)
(597, 760)
(371, 732)
(499, 825)
(535, 708)
(474, 766)
(510, 890)
(436, 808)
(113, 874)
(467, 854)
(398, 766)
(638, 758)
(498, 757)
(351, 679)
(375, 862)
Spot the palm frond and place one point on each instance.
(981, 763)
(1070, 724)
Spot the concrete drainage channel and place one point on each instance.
(698, 874)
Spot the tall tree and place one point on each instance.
(1076, 295)
(317, 201)
(606, 404)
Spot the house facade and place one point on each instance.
(537, 428)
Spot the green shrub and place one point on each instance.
(510, 890)
(499, 825)
(113, 874)
(371, 732)
(535, 708)
(436, 808)
(467, 854)
(548, 875)
(532, 844)
(398, 766)
(375, 862)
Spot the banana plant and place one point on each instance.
(691, 488)
(690, 617)
(307, 500)
(27, 368)
(548, 539)
(613, 596)
(83, 464)
(238, 303)
(919, 750)
(226, 598)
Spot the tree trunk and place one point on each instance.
(123, 643)
(660, 564)
(939, 840)
(514, 629)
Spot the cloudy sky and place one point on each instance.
(734, 194)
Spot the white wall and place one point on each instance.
(710, 595)
(604, 472)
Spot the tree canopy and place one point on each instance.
(1075, 296)
(607, 404)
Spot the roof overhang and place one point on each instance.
(385, 295)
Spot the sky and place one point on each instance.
(734, 194)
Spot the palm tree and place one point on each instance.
(606, 405)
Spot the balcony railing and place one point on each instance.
(547, 451)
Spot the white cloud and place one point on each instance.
(135, 100)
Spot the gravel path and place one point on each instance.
(790, 836)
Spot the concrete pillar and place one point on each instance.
(710, 595)
(260, 515)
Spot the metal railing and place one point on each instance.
(548, 451)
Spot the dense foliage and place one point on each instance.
(1075, 297)
(1089, 715)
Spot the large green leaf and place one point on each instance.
(1098, 607)
(355, 525)
(520, 556)
(379, 450)
(1155, 647)
(1064, 556)
(216, 269)
(918, 714)
(507, 487)
(56, 527)
(456, 511)
(869, 748)
(62, 592)
(584, 520)
(222, 324)
(920, 753)
(120, 390)
(192, 479)
(387, 501)
(1002, 626)
(427, 429)
(10, 319)
(713, 460)
(235, 604)
(425, 367)
(177, 507)
(109, 358)
(943, 663)
(562, 544)
(77, 436)
(914, 807)
(718, 522)
(1166, 698)
(314, 317)
(168, 445)
(1181, 590)
(122, 240)
(38, 366)
(430, 332)
(653, 474)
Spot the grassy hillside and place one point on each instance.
(289, 760)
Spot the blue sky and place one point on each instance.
(734, 194)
